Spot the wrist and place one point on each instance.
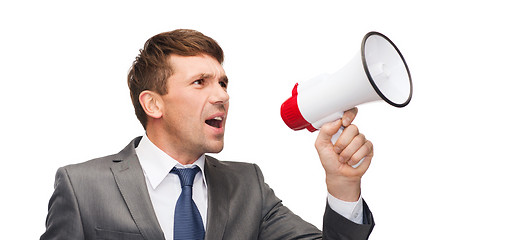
(346, 189)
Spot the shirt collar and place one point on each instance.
(156, 164)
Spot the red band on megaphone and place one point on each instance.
(291, 114)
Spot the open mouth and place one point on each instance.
(215, 122)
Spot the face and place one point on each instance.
(196, 105)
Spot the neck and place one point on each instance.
(183, 156)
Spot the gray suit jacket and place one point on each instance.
(107, 198)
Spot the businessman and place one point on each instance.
(162, 185)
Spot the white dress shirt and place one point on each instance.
(164, 187)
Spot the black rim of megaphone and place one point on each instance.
(371, 79)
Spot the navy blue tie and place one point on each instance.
(188, 223)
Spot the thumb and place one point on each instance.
(327, 131)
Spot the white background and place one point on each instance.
(440, 166)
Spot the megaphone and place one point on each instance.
(377, 72)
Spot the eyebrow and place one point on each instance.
(224, 78)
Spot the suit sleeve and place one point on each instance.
(336, 226)
(63, 220)
(280, 223)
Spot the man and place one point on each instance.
(178, 88)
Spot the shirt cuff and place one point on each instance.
(350, 210)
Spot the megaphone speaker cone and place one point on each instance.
(386, 69)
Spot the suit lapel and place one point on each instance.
(218, 205)
(131, 184)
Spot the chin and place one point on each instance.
(216, 149)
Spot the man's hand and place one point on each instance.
(344, 181)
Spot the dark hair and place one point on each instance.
(151, 69)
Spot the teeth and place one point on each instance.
(218, 118)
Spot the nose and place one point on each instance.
(219, 95)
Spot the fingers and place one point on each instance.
(366, 150)
(349, 116)
(364, 165)
(326, 133)
(329, 129)
(353, 146)
(346, 138)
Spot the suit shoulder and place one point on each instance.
(104, 163)
(228, 164)
(234, 167)
(92, 163)
(127, 153)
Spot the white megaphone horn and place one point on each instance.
(377, 72)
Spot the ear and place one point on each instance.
(151, 103)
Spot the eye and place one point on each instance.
(199, 82)
(223, 84)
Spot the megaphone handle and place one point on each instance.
(335, 138)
